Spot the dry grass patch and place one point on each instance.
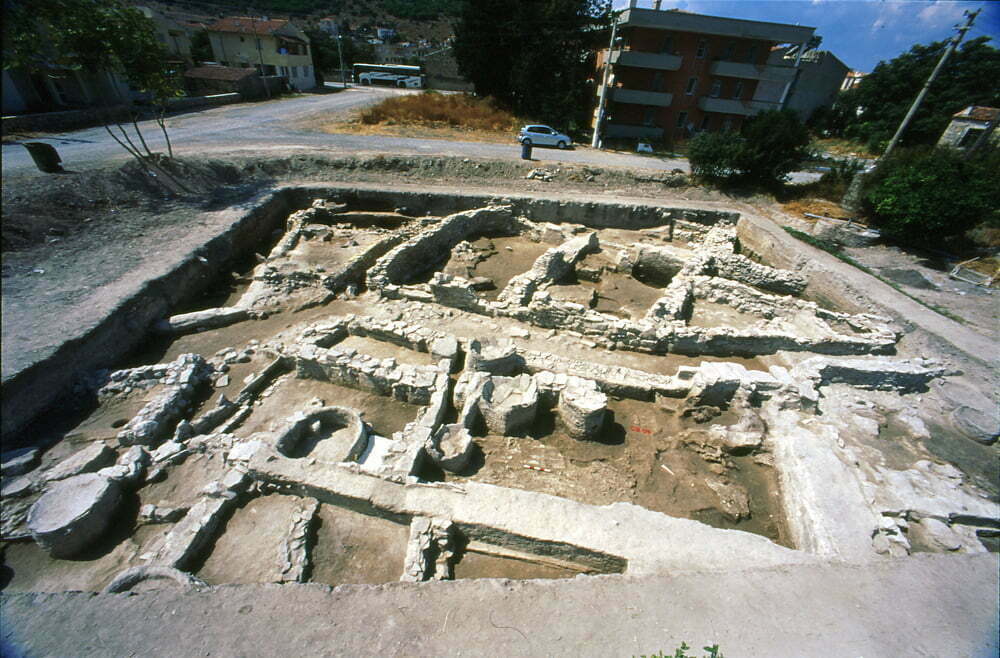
(430, 109)
(433, 115)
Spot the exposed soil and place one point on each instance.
(357, 548)
(249, 548)
(644, 455)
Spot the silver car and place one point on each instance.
(543, 136)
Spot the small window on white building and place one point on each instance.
(702, 48)
(692, 86)
(752, 54)
(295, 71)
(738, 91)
(658, 81)
(668, 44)
(649, 117)
(716, 89)
(682, 119)
(730, 50)
(705, 122)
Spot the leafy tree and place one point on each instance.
(93, 36)
(533, 57)
(921, 196)
(327, 58)
(770, 145)
(201, 47)
(971, 77)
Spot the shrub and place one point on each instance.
(714, 155)
(921, 196)
(770, 146)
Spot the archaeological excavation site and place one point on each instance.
(356, 385)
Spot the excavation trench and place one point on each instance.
(326, 302)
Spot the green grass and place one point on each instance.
(835, 250)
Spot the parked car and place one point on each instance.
(543, 136)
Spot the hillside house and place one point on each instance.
(968, 125)
(272, 46)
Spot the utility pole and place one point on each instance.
(595, 142)
(260, 54)
(340, 53)
(970, 19)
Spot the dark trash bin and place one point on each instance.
(526, 151)
(45, 156)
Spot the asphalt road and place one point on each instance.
(267, 126)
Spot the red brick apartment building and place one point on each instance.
(674, 73)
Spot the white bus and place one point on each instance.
(390, 75)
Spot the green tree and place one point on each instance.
(923, 196)
(94, 36)
(971, 77)
(769, 146)
(533, 57)
(201, 47)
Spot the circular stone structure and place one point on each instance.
(73, 513)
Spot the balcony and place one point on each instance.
(639, 97)
(624, 130)
(658, 61)
(751, 72)
(733, 106)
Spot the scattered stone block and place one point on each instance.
(73, 513)
(89, 459)
(18, 462)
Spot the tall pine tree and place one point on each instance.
(534, 57)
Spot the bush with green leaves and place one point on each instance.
(922, 196)
(771, 145)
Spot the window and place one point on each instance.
(970, 137)
(730, 50)
(649, 117)
(738, 91)
(668, 44)
(705, 122)
(752, 54)
(727, 124)
(658, 81)
(682, 119)
(295, 71)
(716, 89)
(702, 48)
(242, 39)
(692, 85)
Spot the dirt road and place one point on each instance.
(250, 127)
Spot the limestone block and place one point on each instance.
(74, 513)
(935, 535)
(734, 501)
(18, 462)
(509, 404)
(497, 358)
(88, 460)
(582, 408)
(978, 425)
(429, 550)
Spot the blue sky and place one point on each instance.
(859, 32)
